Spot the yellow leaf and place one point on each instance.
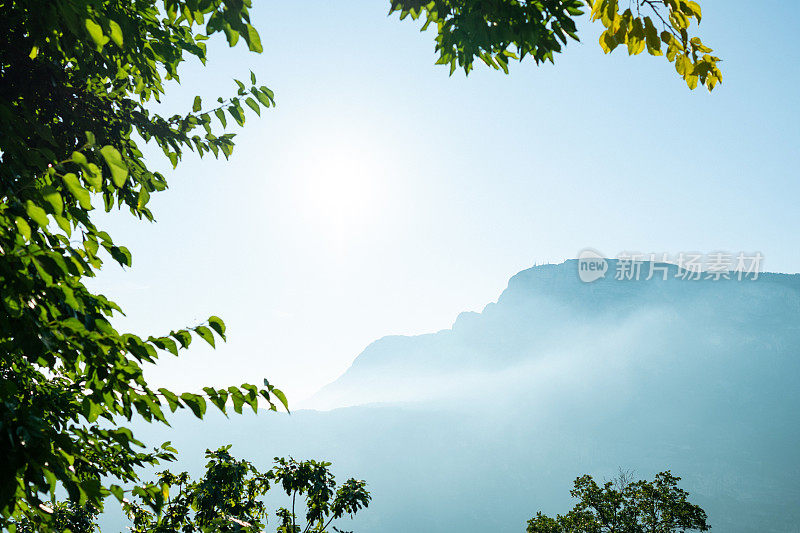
(683, 65)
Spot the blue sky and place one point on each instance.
(382, 196)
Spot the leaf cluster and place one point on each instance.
(494, 32)
(693, 60)
(229, 498)
(65, 517)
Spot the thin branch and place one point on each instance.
(658, 14)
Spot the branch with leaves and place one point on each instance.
(76, 83)
(692, 59)
(229, 497)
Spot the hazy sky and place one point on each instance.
(382, 196)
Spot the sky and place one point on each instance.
(383, 196)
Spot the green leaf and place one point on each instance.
(198, 104)
(36, 213)
(76, 189)
(92, 174)
(93, 177)
(221, 116)
(205, 334)
(237, 397)
(155, 409)
(218, 398)
(144, 197)
(183, 337)
(165, 343)
(218, 325)
(236, 114)
(96, 33)
(253, 105)
(253, 40)
(119, 171)
(116, 33)
(231, 34)
(118, 492)
(263, 98)
(266, 90)
(120, 254)
(91, 410)
(195, 402)
(281, 397)
(23, 227)
(52, 197)
(63, 223)
(171, 397)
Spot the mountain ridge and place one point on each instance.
(537, 301)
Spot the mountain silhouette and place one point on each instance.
(546, 310)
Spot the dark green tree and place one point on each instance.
(500, 31)
(229, 498)
(625, 506)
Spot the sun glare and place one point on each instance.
(341, 189)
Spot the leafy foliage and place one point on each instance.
(229, 498)
(496, 32)
(76, 79)
(693, 60)
(66, 516)
(627, 507)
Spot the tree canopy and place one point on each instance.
(229, 498)
(626, 506)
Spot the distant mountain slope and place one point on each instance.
(547, 309)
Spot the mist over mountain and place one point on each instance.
(548, 319)
(477, 427)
